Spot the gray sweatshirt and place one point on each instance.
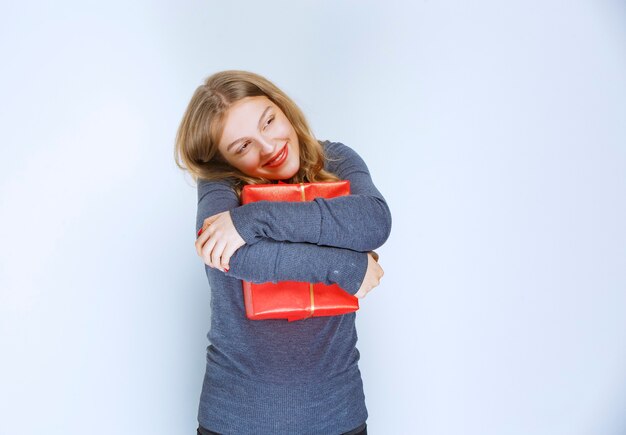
(275, 376)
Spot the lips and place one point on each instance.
(279, 158)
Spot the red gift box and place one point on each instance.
(293, 300)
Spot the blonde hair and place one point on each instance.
(196, 148)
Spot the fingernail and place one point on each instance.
(226, 269)
(199, 231)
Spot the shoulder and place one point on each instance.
(340, 154)
(338, 149)
(204, 184)
(225, 185)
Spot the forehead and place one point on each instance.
(248, 109)
(243, 116)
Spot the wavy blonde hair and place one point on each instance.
(202, 126)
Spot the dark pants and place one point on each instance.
(203, 431)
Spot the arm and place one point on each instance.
(269, 260)
(272, 261)
(360, 221)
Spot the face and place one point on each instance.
(259, 140)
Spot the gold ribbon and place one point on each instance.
(310, 284)
(302, 191)
(312, 299)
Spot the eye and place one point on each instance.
(242, 148)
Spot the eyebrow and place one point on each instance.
(258, 126)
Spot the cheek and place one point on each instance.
(284, 128)
(249, 163)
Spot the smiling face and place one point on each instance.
(259, 140)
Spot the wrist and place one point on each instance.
(244, 223)
(351, 271)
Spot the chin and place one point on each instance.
(289, 171)
(283, 176)
(293, 171)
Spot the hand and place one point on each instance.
(372, 276)
(218, 241)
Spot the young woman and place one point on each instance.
(274, 376)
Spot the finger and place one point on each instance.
(201, 241)
(228, 252)
(198, 248)
(379, 270)
(363, 291)
(206, 250)
(205, 224)
(210, 219)
(216, 254)
(199, 244)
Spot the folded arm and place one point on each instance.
(360, 221)
(270, 260)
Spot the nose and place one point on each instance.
(267, 147)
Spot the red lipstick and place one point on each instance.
(279, 158)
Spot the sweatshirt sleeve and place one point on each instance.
(270, 261)
(360, 221)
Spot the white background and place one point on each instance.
(495, 130)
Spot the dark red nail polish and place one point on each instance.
(226, 269)
(200, 231)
